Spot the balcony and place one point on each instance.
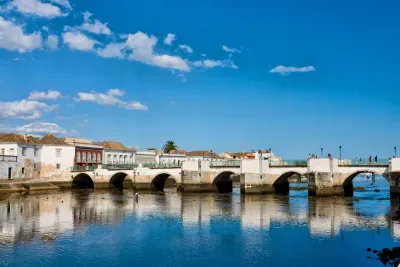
(119, 166)
(155, 165)
(82, 168)
(6, 158)
(225, 163)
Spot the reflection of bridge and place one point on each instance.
(326, 177)
(51, 215)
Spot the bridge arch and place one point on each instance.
(117, 180)
(281, 184)
(159, 181)
(223, 182)
(82, 181)
(348, 180)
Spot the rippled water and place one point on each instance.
(104, 228)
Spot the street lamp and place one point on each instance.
(395, 148)
(322, 152)
(340, 153)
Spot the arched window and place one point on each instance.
(78, 156)
(121, 161)
(98, 158)
(94, 157)
(125, 159)
(89, 157)
(115, 159)
(84, 157)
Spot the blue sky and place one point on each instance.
(293, 76)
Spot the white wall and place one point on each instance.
(116, 157)
(49, 160)
(322, 165)
(170, 158)
(395, 164)
(255, 166)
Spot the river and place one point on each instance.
(109, 228)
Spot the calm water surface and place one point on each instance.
(106, 228)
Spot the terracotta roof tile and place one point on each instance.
(16, 138)
(201, 153)
(50, 139)
(114, 145)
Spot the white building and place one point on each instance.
(19, 157)
(145, 156)
(116, 153)
(174, 157)
(56, 157)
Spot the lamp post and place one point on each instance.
(395, 150)
(322, 152)
(340, 153)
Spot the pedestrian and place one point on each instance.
(360, 160)
(369, 160)
(356, 160)
(376, 159)
(309, 155)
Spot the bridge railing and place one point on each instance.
(82, 168)
(226, 163)
(119, 166)
(155, 165)
(289, 163)
(363, 162)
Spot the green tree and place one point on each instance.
(169, 146)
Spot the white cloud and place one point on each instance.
(143, 45)
(12, 37)
(231, 50)
(78, 41)
(36, 8)
(209, 63)
(24, 109)
(110, 99)
(286, 70)
(112, 50)
(52, 42)
(50, 95)
(63, 3)
(186, 48)
(41, 127)
(169, 39)
(94, 26)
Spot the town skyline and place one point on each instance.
(269, 80)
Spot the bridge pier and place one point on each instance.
(322, 184)
(394, 180)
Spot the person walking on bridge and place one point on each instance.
(376, 159)
(369, 160)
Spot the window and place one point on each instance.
(131, 159)
(94, 157)
(120, 159)
(24, 151)
(109, 159)
(78, 156)
(35, 151)
(89, 157)
(98, 158)
(115, 159)
(58, 153)
(23, 170)
(2, 151)
(11, 151)
(58, 165)
(125, 159)
(35, 166)
(83, 157)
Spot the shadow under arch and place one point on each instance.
(117, 180)
(162, 180)
(348, 189)
(223, 182)
(82, 181)
(281, 185)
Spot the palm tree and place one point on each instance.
(169, 146)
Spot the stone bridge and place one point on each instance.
(326, 177)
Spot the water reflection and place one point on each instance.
(46, 216)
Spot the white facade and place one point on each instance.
(111, 156)
(28, 159)
(56, 160)
(170, 158)
(145, 157)
(206, 158)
